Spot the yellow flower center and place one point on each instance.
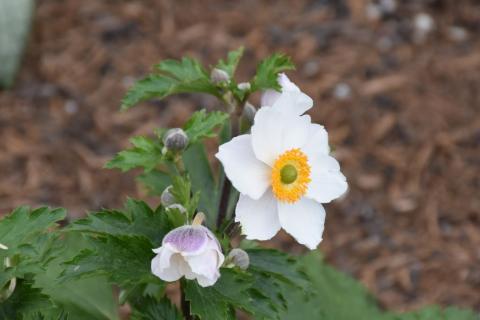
(290, 176)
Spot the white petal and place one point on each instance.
(270, 96)
(328, 183)
(214, 245)
(293, 103)
(286, 84)
(259, 218)
(166, 267)
(247, 174)
(206, 281)
(304, 220)
(317, 143)
(275, 132)
(204, 264)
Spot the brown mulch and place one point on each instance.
(402, 110)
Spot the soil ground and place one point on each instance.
(398, 89)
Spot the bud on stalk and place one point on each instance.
(167, 198)
(239, 258)
(219, 76)
(175, 139)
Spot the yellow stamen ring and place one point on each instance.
(290, 176)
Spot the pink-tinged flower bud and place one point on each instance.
(218, 76)
(270, 96)
(191, 251)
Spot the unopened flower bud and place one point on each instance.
(218, 76)
(244, 86)
(239, 258)
(167, 198)
(177, 206)
(191, 251)
(249, 112)
(175, 139)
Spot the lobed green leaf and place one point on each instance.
(230, 65)
(22, 224)
(148, 308)
(172, 77)
(202, 124)
(124, 260)
(138, 219)
(146, 154)
(268, 70)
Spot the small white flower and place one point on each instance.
(191, 251)
(283, 172)
(270, 96)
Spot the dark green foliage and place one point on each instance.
(27, 302)
(138, 219)
(124, 260)
(23, 224)
(148, 308)
(259, 291)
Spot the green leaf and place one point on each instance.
(27, 302)
(277, 264)
(155, 181)
(267, 72)
(231, 64)
(236, 289)
(148, 308)
(125, 260)
(202, 124)
(15, 21)
(198, 167)
(137, 220)
(173, 77)
(29, 258)
(212, 303)
(277, 279)
(338, 296)
(333, 291)
(80, 299)
(146, 154)
(22, 224)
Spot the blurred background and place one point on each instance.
(396, 83)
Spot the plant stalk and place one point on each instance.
(185, 305)
(227, 185)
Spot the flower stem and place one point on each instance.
(184, 303)
(227, 185)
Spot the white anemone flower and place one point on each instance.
(270, 96)
(191, 251)
(283, 172)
